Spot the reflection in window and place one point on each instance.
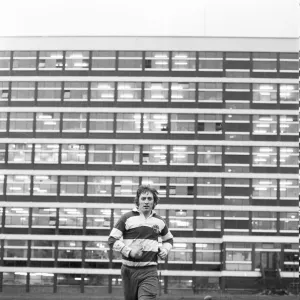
(264, 93)
(2, 152)
(74, 122)
(45, 185)
(129, 91)
(43, 250)
(264, 156)
(3, 121)
(21, 122)
(4, 89)
(183, 92)
(47, 122)
(1, 184)
(75, 91)
(69, 250)
(16, 217)
(289, 157)
(210, 61)
(73, 153)
(24, 60)
(264, 62)
(264, 124)
(181, 252)
(209, 124)
(157, 61)
(49, 91)
(210, 92)
(126, 186)
(154, 154)
(182, 155)
(209, 155)
(4, 60)
(101, 122)
(102, 91)
(288, 222)
(19, 153)
(43, 218)
(15, 250)
(104, 60)
(46, 153)
(289, 189)
(209, 188)
(100, 154)
(130, 60)
(182, 187)
(182, 123)
(97, 218)
(157, 123)
(208, 253)
(288, 93)
(22, 91)
(96, 251)
(18, 185)
(159, 183)
(264, 221)
(51, 60)
(128, 122)
(99, 186)
(289, 125)
(264, 188)
(208, 225)
(41, 279)
(77, 60)
(127, 154)
(72, 186)
(184, 61)
(16, 278)
(156, 92)
(70, 217)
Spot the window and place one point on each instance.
(208, 253)
(46, 153)
(264, 125)
(1, 184)
(289, 125)
(156, 92)
(99, 186)
(70, 218)
(19, 153)
(288, 93)
(183, 123)
(264, 93)
(4, 89)
(43, 218)
(264, 188)
(209, 187)
(181, 252)
(18, 185)
(44, 185)
(209, 124)
(77, 60)
(182, 187)
(47, 122)
(210, 61)
(237, 95)
(127, 154)
(103, 60)
(155, 123)
(69, 250)
(4, 60)
(210, 224)
(49, 91)
(288, 222)
(264, 156)
(157, 61)
(289, 157)
(100, 154)
(130, 60)
(43, 250)
(183, 61)
(51, 60)
(74, 122)
(183, 92)
(209, 155)
(24, 60)
(264, 62)
(236, 222)
(237, 188)
(97, 251)
(126, 186)
(182, 155)
(159, 183)
(129, 91)
(73, 153)
(72, 186)
(237, 127)
(75, 91)
(3, 121)
(237, 159)
(16, 217)
(98, 218)
(2, 153)
(102, 91)
(210, 92)
(264, 221)
(154, 154)
(21, 122)
(289, 189)
(15, 250)
(101, 122)
(288, 62)
(237, 64)
(128, 122)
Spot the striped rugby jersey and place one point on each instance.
(135, 229)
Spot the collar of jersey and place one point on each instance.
(135, 209)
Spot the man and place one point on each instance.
(140, 229)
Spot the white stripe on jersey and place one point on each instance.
(138, 221)
(167, 236)
(138, 263)
(116, 233)
(148, 245)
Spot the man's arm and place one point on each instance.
(167, 242)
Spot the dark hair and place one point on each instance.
(143, 189)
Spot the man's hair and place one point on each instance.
(144, 189)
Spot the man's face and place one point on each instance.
(146, 202)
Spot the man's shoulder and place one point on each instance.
(129, 214)
(155, 215)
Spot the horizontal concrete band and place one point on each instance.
(150, 43)
(25, 270)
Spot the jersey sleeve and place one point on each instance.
(167, 238)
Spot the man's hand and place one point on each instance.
(136, 251)
(162, 253)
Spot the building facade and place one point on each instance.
(211, 123)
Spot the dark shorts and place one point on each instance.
(140, 283)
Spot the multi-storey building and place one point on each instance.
(212, 123)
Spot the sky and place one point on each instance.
(247, 18)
